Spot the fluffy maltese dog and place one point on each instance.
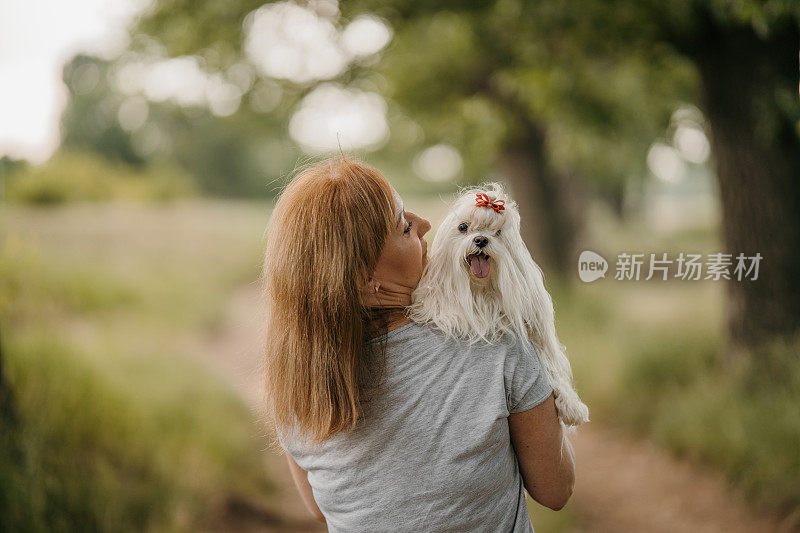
(482, 283)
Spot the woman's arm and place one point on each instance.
(300, 477)
(545, 456)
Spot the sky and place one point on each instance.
(283, 41)
(36, 38)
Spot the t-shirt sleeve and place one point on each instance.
(281, 438)
(526, 382)
(285, 437)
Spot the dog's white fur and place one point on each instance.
(511, 300)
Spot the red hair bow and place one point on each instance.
(482, 200)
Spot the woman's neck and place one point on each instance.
(388, 319)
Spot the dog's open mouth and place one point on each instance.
(479, 264)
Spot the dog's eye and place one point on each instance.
(462, 227)
(497, 234)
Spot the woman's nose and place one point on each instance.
(424, 226)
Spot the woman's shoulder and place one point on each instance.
(413, 333)
(406, 331)
(505, 343)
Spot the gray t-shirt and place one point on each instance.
(434, 454)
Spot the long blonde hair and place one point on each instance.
(324, 239)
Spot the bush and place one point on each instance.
(110, 429)
(744, 420)
(72, 176)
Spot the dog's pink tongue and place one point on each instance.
(479, 266)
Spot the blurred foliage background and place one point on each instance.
(620, 126)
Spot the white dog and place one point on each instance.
(481, 283)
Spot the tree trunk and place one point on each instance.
(549, 205)
(750, 95)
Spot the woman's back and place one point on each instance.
(434, 452)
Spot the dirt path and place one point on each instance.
(623, 484)
(235, 352)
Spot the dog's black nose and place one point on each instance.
(481, 241)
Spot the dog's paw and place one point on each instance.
(571, 410)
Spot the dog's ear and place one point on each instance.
(522, 286)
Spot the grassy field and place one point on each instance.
(647, 358)
(117, 424)
(120, 426)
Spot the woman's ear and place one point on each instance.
(369, 293)
(373, 285)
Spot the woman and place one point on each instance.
(388, 424)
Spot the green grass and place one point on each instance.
(744, 421)
(121, 427)
(646, 357)
(117, 425)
